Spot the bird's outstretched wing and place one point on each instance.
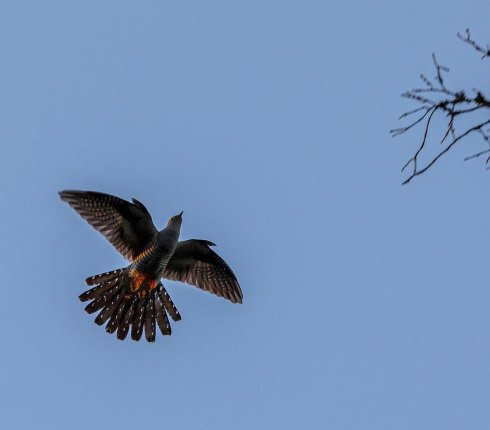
(195, 263)
(128, 226)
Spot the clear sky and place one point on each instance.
(366, 304)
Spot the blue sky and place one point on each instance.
(366, 304)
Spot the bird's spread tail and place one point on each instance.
(122, 308)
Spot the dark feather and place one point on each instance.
(150, 318)
(138, 320)
(102, 278)
(168, 303)
(161, 317)
(102, 300)
(128, 226)
(111, 307)
(195, 263)
(96, 291)
(117, 316)
(123, 329)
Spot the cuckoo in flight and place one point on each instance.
(134, 296)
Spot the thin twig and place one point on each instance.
(431, 163)
(452, 104)
(467, 39)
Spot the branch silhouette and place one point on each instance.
(435, 97)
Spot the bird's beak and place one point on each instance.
(181, 214)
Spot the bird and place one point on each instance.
(133, 297)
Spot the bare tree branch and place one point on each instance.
(454, 141)
(452, 105)
(467, 39)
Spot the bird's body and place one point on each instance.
(134, 296)
(149, 265)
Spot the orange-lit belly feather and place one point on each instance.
(141, 283)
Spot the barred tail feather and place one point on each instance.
(96, 291)
(117, 316)
(150, 318)
(161, 316)
(103, 277)
(122, 308)
(168, 303)
(108, 310)
(123, 329)
(138, 320)
(102, 300)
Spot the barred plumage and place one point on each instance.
(97, 291)
(150, 318)
(161, 317)
(103, 277)
(103, 299)
(134, 296)
(167, 303)
(117, 316)
(109, 309)
(122, 330)
(138, 320)
(195, 263)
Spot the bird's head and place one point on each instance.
(175, 221)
